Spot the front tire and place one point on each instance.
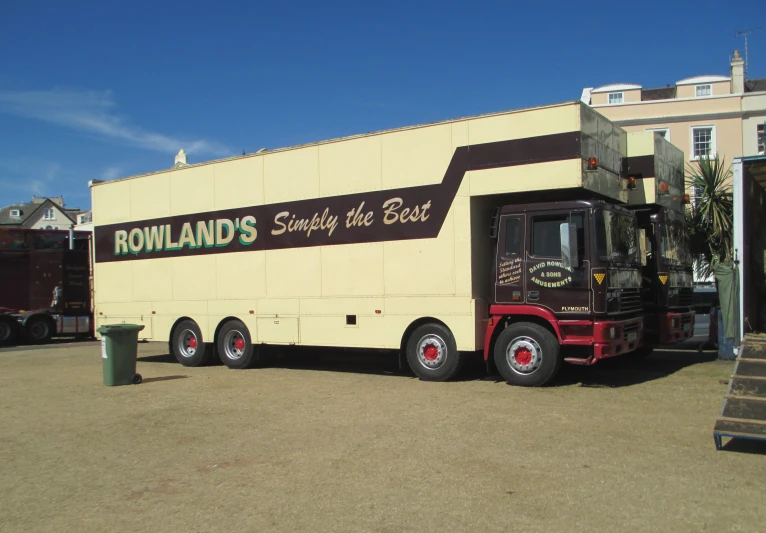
(187, 345)
(432, 353)
(527, 355)
(235, 346)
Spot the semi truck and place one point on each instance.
(655, 170)
(45, 287)
(505, 234)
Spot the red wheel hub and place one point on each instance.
(523, 356)
(192, 343)
(431, 352)
(239, 344)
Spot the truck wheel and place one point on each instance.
(235, 346)
(527, 354)
(187, 345)
(7, 332)
(432, 353)
(39, 330)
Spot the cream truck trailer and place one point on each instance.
(496, 233)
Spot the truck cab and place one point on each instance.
(566, 285)
(667, 285)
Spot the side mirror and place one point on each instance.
(569, 257)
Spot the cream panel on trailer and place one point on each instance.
(239, 183)
(350, 167)
(113, 282)
(552, 175)
(241, 276)
(460, 137)
(294, 273)
(422, 266)
(428, 305)
(278, 307)
(461, 212)
(352, 270)
(192, 190)
(111, 204)
(291, 175)
(150, 197)
(370, 331)
(194, 277)
(340, 307)
(155, 280)
(528, 123)
(416, 157)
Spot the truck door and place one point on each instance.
(509, 266)
(563, 290)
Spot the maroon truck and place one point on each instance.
(45, 285)
(572, 270)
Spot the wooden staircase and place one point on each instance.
(743, 414)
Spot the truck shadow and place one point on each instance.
(610, 373)
(627, 371)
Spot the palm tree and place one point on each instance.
(710, 218)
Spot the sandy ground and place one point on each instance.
(352, 444)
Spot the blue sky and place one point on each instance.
(100, 90)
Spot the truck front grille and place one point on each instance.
(630, 300)
(685, 297)
(628, 329)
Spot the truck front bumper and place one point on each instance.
(675, 327)
(617, 337)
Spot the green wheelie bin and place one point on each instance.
(119, 349)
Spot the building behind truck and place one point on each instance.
(501, 233)
(655, 171)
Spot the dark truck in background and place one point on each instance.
(667, 288)
(45, 285)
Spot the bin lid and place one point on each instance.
(119, 328)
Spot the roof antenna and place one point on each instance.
(745, 33)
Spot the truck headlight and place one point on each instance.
(612, 333)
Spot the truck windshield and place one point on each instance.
(616, 237)
(674, 243)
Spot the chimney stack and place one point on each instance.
(180, 159)
(737, 74)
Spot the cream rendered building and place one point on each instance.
(703, 115)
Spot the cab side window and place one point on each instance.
(512, 236)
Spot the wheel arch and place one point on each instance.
(415, 325)
(502, 321)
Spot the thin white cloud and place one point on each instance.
(111, 173)
(93, 112)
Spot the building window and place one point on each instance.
(664, 132)
(761, 140)
(704, 90)
(49, 214)
(703, 141)
(17, 212)
(615, 98)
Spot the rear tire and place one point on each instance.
(187, 346)
(235, 346)
(527, 354)
(432, 353)
(39, 330)
(8, 331)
